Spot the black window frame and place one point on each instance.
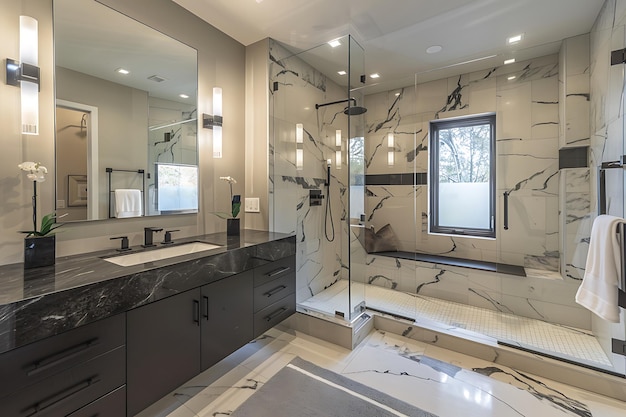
(459, 122)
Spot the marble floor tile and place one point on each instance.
(434, 379)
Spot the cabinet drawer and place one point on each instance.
(113, 404)
(69, 390)
(273, 314)
(32, 363)
(274, 270)
(274, 290)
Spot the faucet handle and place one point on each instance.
(124, 246)
(168, 236)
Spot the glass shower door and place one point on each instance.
(354, 178)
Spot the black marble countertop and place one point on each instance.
(80, 289)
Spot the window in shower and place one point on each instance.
(463, 176)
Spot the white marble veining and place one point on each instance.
(434, 379)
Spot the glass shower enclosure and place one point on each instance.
(317, 186)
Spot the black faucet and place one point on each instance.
(124, 247)
(147, 236)
(168, 237)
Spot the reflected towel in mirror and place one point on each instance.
(127, 203)
(599, 289)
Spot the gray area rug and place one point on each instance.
(303, 389)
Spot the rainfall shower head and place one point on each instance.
(349, 111)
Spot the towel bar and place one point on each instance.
(109, 171)
(602, 181)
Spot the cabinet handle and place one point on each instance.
(59, 357)
(206, 307)
(196, 312)
(275, 314)
(278, 271)
(274, 291)
(59, 398)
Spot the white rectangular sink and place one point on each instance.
(161, 253)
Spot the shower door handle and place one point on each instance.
(506, 210)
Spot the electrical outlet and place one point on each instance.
(252, 205)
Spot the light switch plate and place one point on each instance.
(60, 204)
(252, 205)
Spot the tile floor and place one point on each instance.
(434, 379)
(557, 340)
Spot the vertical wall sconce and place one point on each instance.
(390, 149)
(338, 149)
(214, 122)
(25, 74)
(299, 146)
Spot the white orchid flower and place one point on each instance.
(36, 171)
(230, 179)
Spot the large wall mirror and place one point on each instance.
(126, 116)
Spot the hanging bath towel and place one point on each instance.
(599, 289)
(127, 203)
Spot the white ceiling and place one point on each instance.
(396, 33)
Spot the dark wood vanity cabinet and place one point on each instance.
(122, 364)
(172, 340)
(62, 374)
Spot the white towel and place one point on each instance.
(599, 289)
(127, 203)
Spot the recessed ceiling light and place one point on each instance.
(334, 43)
(122, 71)
(514, 39)
(375, 75)
(433, 49)
(397, 94)
(341, 72)
(183, 96)
(511, 78)
(509, 61)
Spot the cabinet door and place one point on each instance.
(226, 317)
(163, 344)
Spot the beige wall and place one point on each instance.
(221, 62)
(257, 132)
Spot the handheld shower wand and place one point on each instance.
(328, 212)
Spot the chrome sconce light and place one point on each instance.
(299, 146)
(25, 74)
(214, 122)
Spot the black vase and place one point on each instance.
(232, 227)
(39, 251)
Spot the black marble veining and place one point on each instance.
(84, 288)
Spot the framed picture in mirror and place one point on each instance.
(76, 190)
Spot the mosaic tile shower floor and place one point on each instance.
(551, 339)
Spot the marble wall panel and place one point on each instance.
(319, 251)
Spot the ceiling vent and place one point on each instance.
(156, 78)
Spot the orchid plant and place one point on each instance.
(36, 173)
(235, 200)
